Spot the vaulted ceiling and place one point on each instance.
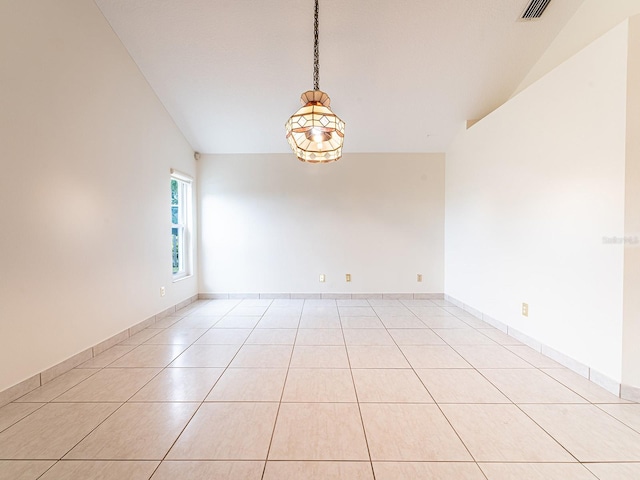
(405, 75)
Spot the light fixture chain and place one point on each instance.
(316, 52)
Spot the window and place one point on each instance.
(180, 225)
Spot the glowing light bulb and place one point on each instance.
(316, 135)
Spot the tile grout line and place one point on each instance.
(195, 411)
(97, 370)
(100, 423)
(50, 467)
(425, 387)
(161, 369)
(22, 418)
(255, 327)
(355, 390)
(597, 405)
(516, 405)
(46, 402)
(284, 386)
(89, 433)
(545, 431)
(189, 301)
(209, 392)
(438, 404)
(577, 365)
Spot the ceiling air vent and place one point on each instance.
(535, 9)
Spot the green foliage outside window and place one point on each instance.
(175, 237)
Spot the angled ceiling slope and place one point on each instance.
(404, 75)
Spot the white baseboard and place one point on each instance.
(630, 393)
(620, 390)
(319, 296)
(22, 388)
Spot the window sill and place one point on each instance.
(177, 279)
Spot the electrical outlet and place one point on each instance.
(162, 291)
(348, 277)
(322, 278)
(419, 277)
(525, 309)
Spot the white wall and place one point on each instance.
(631, 345)
(530, 192)
(592, 20)
(272, 224)
(85, 152)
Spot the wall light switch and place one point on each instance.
(525, 309)
(419, 277)
(162, 291)
(348, 277)
(322, 278)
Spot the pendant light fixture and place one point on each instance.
(314, 132)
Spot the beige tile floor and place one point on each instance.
(319, 390)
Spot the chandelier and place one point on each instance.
(314, 132)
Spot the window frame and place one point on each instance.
(185, 217)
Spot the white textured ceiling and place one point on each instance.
(403, 74)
